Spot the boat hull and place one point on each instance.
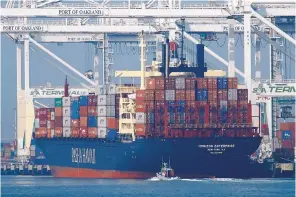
(189, 157)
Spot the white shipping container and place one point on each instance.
(180, 83)
(232, 94)
(52, 115)
(170, 95)
(102, 100)
(48, 124)
(102, 111)
(32, 153)
(37, 123)
(66, 111)
(140, 118)
(52, 133)
(110, 99)
(102, 122)
(32, 147)
(102, 132)
(111, 89)
(110, 111)
(30, 167)
(102, 89)
(66, 101)
(66, 122)
(67, 132)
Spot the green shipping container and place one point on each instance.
(58, 102)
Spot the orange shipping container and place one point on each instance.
(180, 95)
(140, 106)
(75, 132)
(159, 83)
(150, 84)
(140, 95)
(232, 83)
(140, 130)
(58, 131)
(58, 111)
(112, 123)
(48, 133)
(83, 121)
(92, 111)
(92, 132)
(83, 111)
(75, 123)
(83, 132)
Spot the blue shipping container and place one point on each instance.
(181, 103)
(225, 83)
(92, 121)
(83, 101)
(286, 134)
(198, 95)
(205, 95)
(220, 83)
(75, 109)
(150, 117)
(112, 133)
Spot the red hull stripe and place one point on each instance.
(103, 174)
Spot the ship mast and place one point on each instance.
(66, 88)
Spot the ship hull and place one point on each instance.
(189, 157)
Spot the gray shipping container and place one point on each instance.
(102, 122)
(102, 111)
(140, 118)
(110, 111)
(170, 95)
(67, 132)
(111, 89)
(37, 124)
(66, 101)
(66, 122)
(48, 124)
(52, 115)
(102, 132)
(180, 83)
(102, 89)
(66, 111)
(232, 94)
(52, 133)
(110, 99)
(102, 100)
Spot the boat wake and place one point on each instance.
(162, 179)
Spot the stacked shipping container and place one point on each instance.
(8, 151)
(92, 116)
(176, 107)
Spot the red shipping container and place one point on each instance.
(159, 83)
(83, 132)
(201, 103)
(288, 126)
(140, 130)
(199, 83)
(205, 83)
(92, 132)
(190, 95)
(58, 121)
(48, 134)
(43, 112)
(42, 132)
(149, 95)
(58, 111)
(288, 143)
(150, 83)
(212, 83)
(180, 95)
(170, 83)
(149, 106)
(92, 100)
(58, 131)
(83, 121)
(75, 123)
(140, 106)
(43, 123)
(189, 84)
(159, 95)
(232, 103)
(212, 95)
(140, 95)
(112, 123)
(83, 111)
(232, 83)
(173, 46)
(52, 124)
(36, 110)
(75, 132)
(92, 111)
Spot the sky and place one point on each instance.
(44, 69)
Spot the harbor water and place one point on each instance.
(29, 186)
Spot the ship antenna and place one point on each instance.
(66, 88)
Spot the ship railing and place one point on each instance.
(275, 81)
